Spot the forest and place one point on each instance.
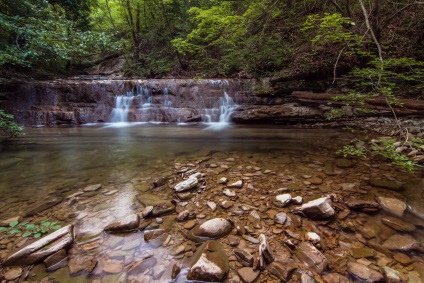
(214, 38)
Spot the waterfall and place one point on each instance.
(122, 106)
(226, 107)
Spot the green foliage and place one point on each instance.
(9, 126)
(30, 229)
(352, 151)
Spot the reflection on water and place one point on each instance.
(137, 165)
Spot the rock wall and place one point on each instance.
(80, 101)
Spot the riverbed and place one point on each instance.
(137, 165)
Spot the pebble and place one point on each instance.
(112, 268)
(238, 184)
(211, 205)
(159, 220)
(190, 224)
(227, 204)
(229, 193)
(13, 273)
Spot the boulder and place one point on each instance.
(209, 263)
(312, 257)
(316, 209)
(128, 223)
(363, 273)
(212, 229)
(41, 249)
(392, 205)
(403, 243)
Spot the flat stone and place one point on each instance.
(364, 273)
(312, 257)
(13, 273)
(153, 234)
(147, 211)
(162, 209)
(211, 205)
(284, 199)
(227, 204)
(229, 193)
(212, 229)
(386, 184)
(362, 252)
(392, 205)
(402, 258)
(316, 181)
(128, 223)
(209, 263)
(391, 275)
(397, 224)
(223, 181)
(190, 224)
(282, 270)
(364, 205)
(247, 274)
(403, 243)
(183, 215)
(92, 188)
(184, 196)
(44, 206)
(238, 184)
(54, 259)
(343, 163)
(244, 257)
(113, 268)
(280, 218)
(233, 240)
(316, 209)
(250, 239)
(109, 193)
(335, 278)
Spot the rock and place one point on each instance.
(316, 181)
(113, 268)
(391, 275)
(184, 196)
(398, 224)
(175, 271)
(233, 240)
(386, 184)
(212, 229)
(159, 220)
(362, 252)
(238, 184)
(280, 218)
(159, 182)
(188, 184)
(223, 181)
(335, 278)
(264, 250)
(402, 258)
(42, 248)
(229, 193)
(312, 257)
(126, 224)
(210, 263)
(183, 215)
(305, 278)
(227, 204)
(282, 270)
(392, 205)
(92, 188)
(403, 243)
(247, 274)
(56, 260)
(343, 163)
(44, 206)
(316, 209)
(6, 222)
(153, 234)
(147, 211)
(413, 192)
(190, 224)
(364, 205)
(211, 205)
(158, 271)
(283, 200)
(297, 200)
(141, 266)
(13, 273)
(162, 209)
(312, 237)
(250, 239)
(79, 263)
(363, 273)
(244, 257)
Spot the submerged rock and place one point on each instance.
(42, 248)
(386, 184)
(12, 273)
(414, 196)
(364, 273)
(312, 257)
(392, 205)
(44, 206)
(282, 270)
(92, 188)
(317, 209)
(126, 224)
(209, 264)
(212, 229)
(364, 205)
(403, 243)
(397, 224)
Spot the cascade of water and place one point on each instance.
(122, 105)
(167, 103)
(226, 107)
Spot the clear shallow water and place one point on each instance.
(127, 158)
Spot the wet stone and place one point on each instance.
(183, 215)
(92, 188)
(316, 209)
(147, 211)
(403, 243)
(312, 237)
(244, 257)
(280, 218)
(190, 224)
(386, 184)
(312, 257)
(247, 274)
(391, 275)
(364, 205)
(113, 268)
(282, 270)
(343, 163)
(297, 200)
(316, 181)
(233, 240)
(212, 229)
(392, 205)
(364, 273)
(398, 224)
(402, 258)
(362, 252)
(184, 196)
(211, 205)
(127, 224)
(13, 273)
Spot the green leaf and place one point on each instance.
(15, 231)
(38, 235)
(26, 234)
(3, 229)
(13, 224)
(30, 226)
(45, 223)
(56, 227)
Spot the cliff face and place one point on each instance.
(169, 100)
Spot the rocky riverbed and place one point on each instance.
(234, 217)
